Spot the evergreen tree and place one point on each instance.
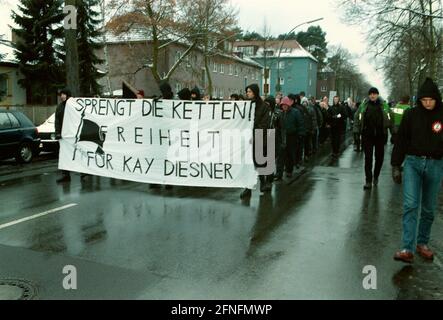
(38, 48)
(89, 42)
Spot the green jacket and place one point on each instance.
(398, 112)
(359, 117)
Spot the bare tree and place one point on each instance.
(215, 22)
(160, 20)
(412, 29)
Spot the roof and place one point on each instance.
(290, 49)
(143, 35)
(8, 52)
(8, 64)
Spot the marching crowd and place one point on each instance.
(302, 124)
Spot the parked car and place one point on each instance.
(18, 136)
(46, 133)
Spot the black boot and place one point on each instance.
(64, 178)
(246, 194)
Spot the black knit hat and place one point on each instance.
(429, 90)
(184, 94)
(166, 90)
(373, 90)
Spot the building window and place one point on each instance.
(188, 61)
(222, 93)
(178, 87)
(257, 75)
(324, 89)
(231, 69)
(215, 67)
(281, 65)
(222, 68)
(3, 85)
(310, 65)
(236, 71)
(178, 55)
(310, 82)
(282, 81)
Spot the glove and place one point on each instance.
(396, 175)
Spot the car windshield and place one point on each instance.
(51, 119)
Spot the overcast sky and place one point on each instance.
(281, 16)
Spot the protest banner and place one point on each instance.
(187, 143)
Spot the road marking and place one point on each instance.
(39, 215)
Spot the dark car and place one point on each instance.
(18, 136)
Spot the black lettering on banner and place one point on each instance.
(137, 135)
(150, 136)
(250, 110)
(130, 106)
(102, 107)
(184, 139)
(209, 172)
(88, 102)
(157, 110)
(227, 109)
(146, 108)
(138, 166)
(120, 131)
(218, 170)
(166, 173)
(149, 162)
(182, 167)
(187, 110)
(121, 111)
(165, 137)
(228, 167)
(194, 167)
(80, 102)
(89, 153)
(213, 137)
(213, 104)
(125, 164)
(238, 110)
(200, 105)
(174, 109)
(108, 161)
(100, 160)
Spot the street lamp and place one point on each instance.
(281, 47)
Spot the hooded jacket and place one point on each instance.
(196, 91)
(262, 118)
(60, 112)
(421, 130)
(184, 94)
(166, 90)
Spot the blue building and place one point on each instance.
(286, 69)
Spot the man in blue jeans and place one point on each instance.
(420, 146)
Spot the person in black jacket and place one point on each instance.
(261, 121)
(419, 145)
(65, 94)
(337, 116)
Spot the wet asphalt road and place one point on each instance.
(309, 239)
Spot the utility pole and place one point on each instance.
(72, 64)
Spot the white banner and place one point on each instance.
(198, 143)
